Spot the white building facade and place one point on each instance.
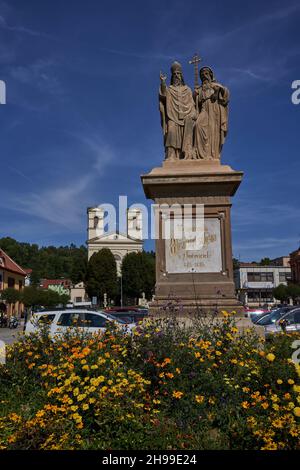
(255, 284)
(120, 244)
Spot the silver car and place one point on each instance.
(289, 322)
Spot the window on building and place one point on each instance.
(20, 285)
(96, 222)
(261, 296)
(11, 282)
(260, 277)
(78, 299)
(284, 277)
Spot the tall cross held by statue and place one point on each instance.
(195, 60)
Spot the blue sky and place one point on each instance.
(81, 122)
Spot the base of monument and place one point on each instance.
(191, 308)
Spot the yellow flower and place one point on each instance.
(85, 406)
(76, 391)
(291, 381)
(297, 411)
(245, 405)
(270, 357)
(279, 381)
(199, 399)
(177, 394)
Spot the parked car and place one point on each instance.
(288, 322)
(255, 312)
(60, 320)
(273, 316)
(129, 314)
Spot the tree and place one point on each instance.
(50, 262)
(138, 273)
(281, 293)
(236, 263)
(10, 295)
(293, 291)
(101, 275)
(30, 296)
(265, 262)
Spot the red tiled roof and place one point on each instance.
(7, 263)
(45, 283)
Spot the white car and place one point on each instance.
(86, 320)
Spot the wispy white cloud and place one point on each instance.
(20, 29)
(64, 204)
(39, 74)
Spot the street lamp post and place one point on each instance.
(121, 290)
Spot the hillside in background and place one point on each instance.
(48, 262)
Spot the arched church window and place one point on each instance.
(96, 221)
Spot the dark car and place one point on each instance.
(272, 317)
(129, 314)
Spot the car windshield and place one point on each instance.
(271, 318)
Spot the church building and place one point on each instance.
(119, 243)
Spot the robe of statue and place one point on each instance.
(212, 122)
(177, 110)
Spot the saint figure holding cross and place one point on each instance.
(211, 100)
(178, 115)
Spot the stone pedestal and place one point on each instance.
(202, 281)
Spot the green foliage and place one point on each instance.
(265, 262)
(101, 275)
(138, 272)
(10, 295)
(33, 297)
(280, 293)
(293, 291)
(236, 263)
(283, 292)
(166, 387)
(69, 262)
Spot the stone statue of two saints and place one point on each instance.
(194, 123)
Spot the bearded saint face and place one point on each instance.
(205, 75)
(177, 78)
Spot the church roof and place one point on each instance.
(116, 237)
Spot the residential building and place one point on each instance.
(61, 286)
(255, 283)
(78, 293)
(281, 261)
(120, 244)
(13, 276)
(295, 266)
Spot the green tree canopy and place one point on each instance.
(138, 272)
(280, 293)
(69, 262)
(10, 295)
(101, 277)
(293, 291)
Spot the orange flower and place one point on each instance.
(177, 394)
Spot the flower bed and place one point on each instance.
(165, 387)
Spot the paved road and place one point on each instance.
(9, 336)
